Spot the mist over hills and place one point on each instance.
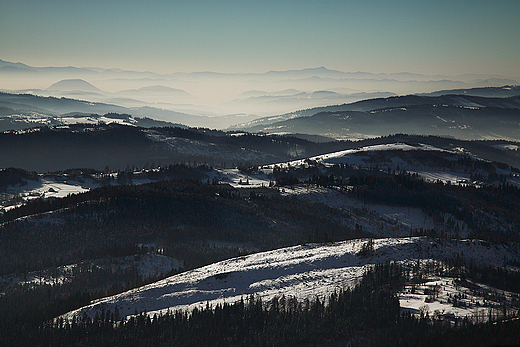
(478, 97)
(458, 116)
(225, 94)
(288, 99)
(464, 116)
(223, 173)
(21, 111)
(501, 92)
(156, 89)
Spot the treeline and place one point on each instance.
(349, 315)
(497, 277)
(48, 149)
(89, 224)
(492, 212)
(173, 213)
(366, 315)
(45, 149)
(12, 176)
(88, 280)
(195, 222)
(176, 171)
(280, 146)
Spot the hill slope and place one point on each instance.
(302, 272)
(459, 116)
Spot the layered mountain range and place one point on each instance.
(458, 116)
(392, 220)
(239, 97)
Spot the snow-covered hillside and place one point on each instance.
(382, 156)
(305, 271)
(34, 119)
(354, 156)
(424, 160)
(387, 156)
(59, 186)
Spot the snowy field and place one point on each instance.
(352, 157)
(409, 217)
(306, 271)
(355, 157)
(362, 157)
(96, 120)
(52, 187)
(48, 187)
(445, 177)
(64, 121)
(447, 297)
(237, 179)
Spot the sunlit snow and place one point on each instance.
(306, 271)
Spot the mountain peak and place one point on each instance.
(72, 85)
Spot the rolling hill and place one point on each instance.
(458, 116)
(301, 272)
(136, 229)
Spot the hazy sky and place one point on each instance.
(434, 37)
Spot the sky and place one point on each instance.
(431, 37)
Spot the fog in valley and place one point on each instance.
(227, 98)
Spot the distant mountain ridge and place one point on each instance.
(500, 92)
(460, 116)
(209, 93)
(155, 89)
(14, 108)
(444, 97)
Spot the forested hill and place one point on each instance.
(469, 123)
(500, 99)
(199, 222)
(24, 111)
(120, 147)
(117, 146)
(192, 222)
(458, 116)
(179, 215)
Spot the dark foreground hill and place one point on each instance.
(121, 146)
(199, 222)
(182, 217)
